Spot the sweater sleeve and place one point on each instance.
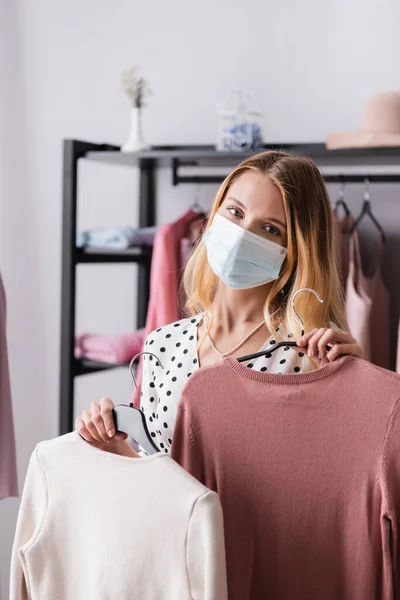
(391, 499)
(31, 516)
(206, 550)
(184, 449)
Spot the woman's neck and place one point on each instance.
(239, 307)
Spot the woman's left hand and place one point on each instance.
(340, 343)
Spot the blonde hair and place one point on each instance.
(310, 260)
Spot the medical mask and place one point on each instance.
(241, 259)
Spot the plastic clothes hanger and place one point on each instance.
(341, 202)
(196, 204)
(198, 221)
(131, 420)
(367, 211)
(288, 343)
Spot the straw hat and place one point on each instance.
(380, 125)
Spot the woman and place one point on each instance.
(269, 234)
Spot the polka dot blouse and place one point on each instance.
(175, 346)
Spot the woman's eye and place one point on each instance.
(235, 212)
(272, 230)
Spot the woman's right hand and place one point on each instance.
(96, 426)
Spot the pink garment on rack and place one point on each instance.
(341, 234)
(8, 461)
(165, 279)
(166, 273)
(112, 349)
(368, 305)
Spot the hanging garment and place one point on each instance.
(8, 463)
(307, 468)
(111, 349)
(98, 525)
(341, 233)
(166, 273)
(368, 305)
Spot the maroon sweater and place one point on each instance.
(307, 468)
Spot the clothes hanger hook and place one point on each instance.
(133, 361)
(341, 190)
(197, 190)
(367, 194)
(300, 320)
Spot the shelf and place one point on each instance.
(132, 255)
(209, 156)
(83, 366)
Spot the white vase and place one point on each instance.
(135, 141)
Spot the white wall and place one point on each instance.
(310, 65)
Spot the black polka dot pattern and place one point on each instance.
(176, 346)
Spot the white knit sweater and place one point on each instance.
(95, 526)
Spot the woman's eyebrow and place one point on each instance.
(236, 200)
(281, 223)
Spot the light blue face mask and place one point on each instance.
(239, 258)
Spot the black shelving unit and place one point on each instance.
(71, 367)
(183, 161)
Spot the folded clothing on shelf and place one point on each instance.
(111, 349)
(116, 238)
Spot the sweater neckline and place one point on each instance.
(295, 378)
(132, 459)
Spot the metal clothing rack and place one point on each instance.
(175, 158)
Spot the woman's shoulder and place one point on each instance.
(173, 331)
